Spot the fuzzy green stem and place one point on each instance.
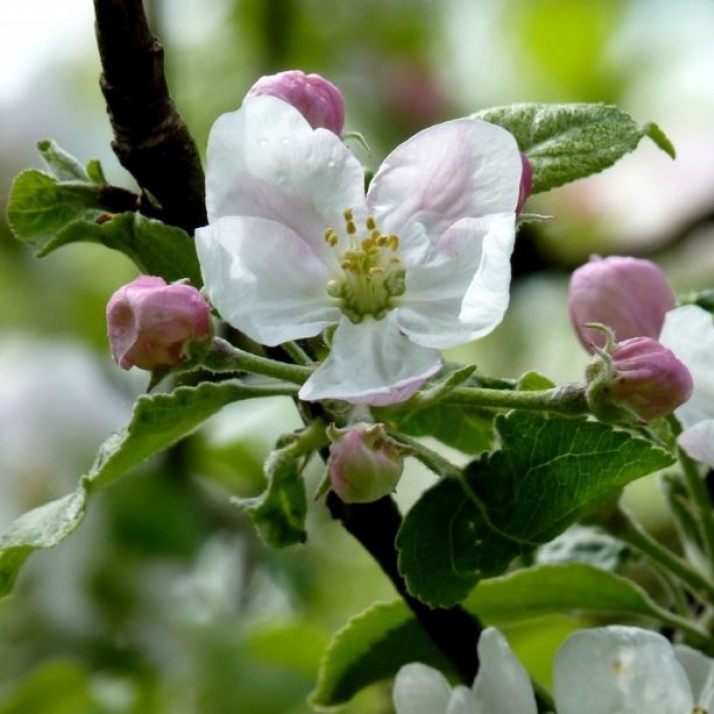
(702, 505)
(224, 357)
(568, 399)
(297, 353)
(623, 526)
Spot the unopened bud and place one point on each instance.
(526, 183)
(152, 324)
(318, 100)
(637, 377)
(629, 295)
(363, 465)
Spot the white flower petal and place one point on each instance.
(698, 441)
(264, 280)
(458, 169)
(487, 296)
(502, 685)
(700, 673)
(471, 259)
(619, 669)
(463, 702)
(265, 160)
(689, 332)
(419, 689)
(371, 363)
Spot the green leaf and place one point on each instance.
(155, 247)
(549, 472)
(39, 206)
(566, 142)
(158, 422)
(279, 512)
(556, 588)
(47, 212)
(43, 527)
(467, 429)
(63, 166)
(371, 647)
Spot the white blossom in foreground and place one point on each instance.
(605, 670)
(627, 670)
(421, 264)
(502, 685)
(689, 332)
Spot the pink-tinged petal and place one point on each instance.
(459, 169)
(471, 259)
(486, 298)
(265, 280)
(689, 332)
(419, 689)
(698, 441)
(371, 363)
(265, 160)
(619, 669)
(502, 685)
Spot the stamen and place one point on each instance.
(371, 272)
(331, 237)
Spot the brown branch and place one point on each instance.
(150, 138)
(453, 630)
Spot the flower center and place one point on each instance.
(371, 270)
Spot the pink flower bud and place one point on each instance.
(318, 100)
(641, 377)
(526, 183)
(629, 295)
(151, 324)
(363, 465)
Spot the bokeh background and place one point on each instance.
(165, 601)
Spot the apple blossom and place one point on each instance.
(630, 670)
(421, 264)
(689, 332)
(502, 685)
(363, 464)
(318, 100)
(152, 324)
(629, 295)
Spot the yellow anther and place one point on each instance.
(376, 270)
(370, 223)
(331, 237)
(394, 242)
(348, 214)
(351, 228)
